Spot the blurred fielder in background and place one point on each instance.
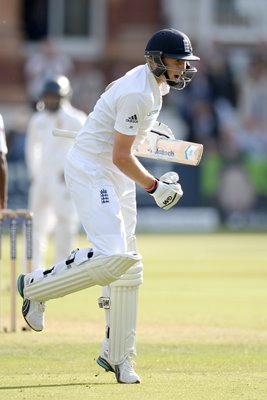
(101, 173)
(49, 198)
(3, 166)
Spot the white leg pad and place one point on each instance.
(66, 278)
(121, 312)
(123, 315)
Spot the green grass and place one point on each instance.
(202, 328)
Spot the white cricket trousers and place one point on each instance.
(105, 200)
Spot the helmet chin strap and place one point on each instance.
(179, 84)
(183, 80)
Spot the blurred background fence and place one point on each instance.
(225, 107)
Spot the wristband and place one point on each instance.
(152, 188)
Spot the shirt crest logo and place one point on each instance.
(187, 46)
(104, 196)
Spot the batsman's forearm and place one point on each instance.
(132, 167)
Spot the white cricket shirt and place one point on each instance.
(130, 106)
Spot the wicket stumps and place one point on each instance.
(13, 216)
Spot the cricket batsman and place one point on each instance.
(101, 172)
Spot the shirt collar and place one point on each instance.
(163, 89)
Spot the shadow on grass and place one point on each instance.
(57, 385)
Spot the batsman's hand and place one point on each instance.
(167, 191)
(159, 131)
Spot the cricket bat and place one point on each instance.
(176, 151)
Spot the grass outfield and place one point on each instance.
(202, 329)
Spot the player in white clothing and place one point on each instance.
(3, 165)
(101, 172)
(49, 199)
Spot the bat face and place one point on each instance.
(178, 151)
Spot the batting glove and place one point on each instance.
(166, 191)
(158, 131)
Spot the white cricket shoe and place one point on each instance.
(124, 372)
(32, 311)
